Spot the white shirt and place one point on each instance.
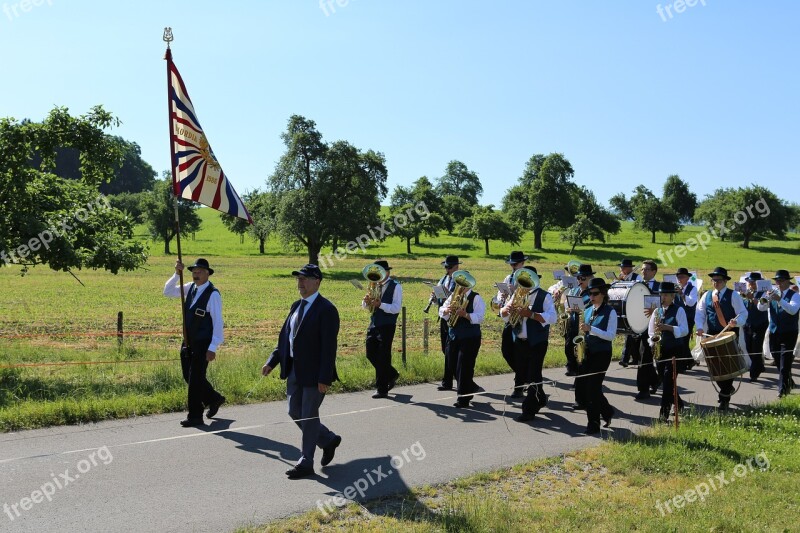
(738, 307)
(791, 307)
(689, 300)
(397, 300)
(611, 332)
(478, 308)
(292, 332)
(172, 289)
(548, 314)
(681, 330)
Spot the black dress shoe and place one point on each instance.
(592, 430)
(642, 395)
(380, 395)
(299, 472)
(192, 422)
(477, 388)
(444, 387)
(461, 405)
(330, 450)
(525, 417)
(543, 401)
(577, 407)
(653, 389)
(517, 393)
(607, 419)
(214, 407)
(570, 373)
(392, 382)
(623, 363)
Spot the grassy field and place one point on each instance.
(660, 480)
(48, 317)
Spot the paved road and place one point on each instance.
(149, 474)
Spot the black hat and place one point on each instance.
(754, 276)
(667, 287)
(309, 271)
(202, 263)
(782, 274)
(626, 263)
(597, 283)
(451, 260)
(683, 272)
(516, 257)
(719, 271)
(586, 270)
(384, 264)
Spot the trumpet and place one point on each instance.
(526, 281)
(464, 283)
(765, 298)
(374, 273)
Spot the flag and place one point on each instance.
(197, 174)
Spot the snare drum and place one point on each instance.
(627, 299)
(723, 358)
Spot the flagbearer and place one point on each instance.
(203, 311)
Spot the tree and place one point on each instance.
(325, 194)
(592, 222)
(485, 223)
(678, 198)
(160, 213)
(131, 203)
(647, 211)
(47, 219)
(744, 213)
(405, 198)
(542, 199)
(459, 188)
(262, 208)
(236, 225)
(620, 205)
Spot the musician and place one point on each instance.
(687, 296)
(464, 342)
(783, 306)
(380, 334)
(584, 276)
(599, 329)
(516, 260)
(670, 323)
(531, 337)
(450, 265)
(626, 272)
(647, 378)
(719, 308)
(755, 329)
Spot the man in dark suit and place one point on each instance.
(306, 353)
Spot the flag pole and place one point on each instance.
(175, 193)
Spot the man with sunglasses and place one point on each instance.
(584, 276)
(450, 265)
(718, 308)
(516, 260)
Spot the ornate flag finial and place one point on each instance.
(168, 38)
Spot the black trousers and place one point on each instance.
(507, 348)
(531, 360)
(194, 366)
(754, 342)
(461, 355)
(782, 347)
(449, 372)
(646, 375)
(632, 351)
(664, 367)
(379, 353)
(589, 387)
(569, 348)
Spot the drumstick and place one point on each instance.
(727, 327)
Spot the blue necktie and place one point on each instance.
(299, 317)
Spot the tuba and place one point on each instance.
(464, 282)
(573, 267)
(526, 281)
(374, 273)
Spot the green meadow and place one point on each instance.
(48, 318)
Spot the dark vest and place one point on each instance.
(756, 319)
(656, 285)
(537, 332)
(669, 344)
(779, 320)
(600, 320)
(199, 328)
(690, 311)
(725, 305)
(381, 317)
(464, 329)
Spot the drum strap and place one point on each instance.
(718, 309)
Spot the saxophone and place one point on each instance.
(657, 337)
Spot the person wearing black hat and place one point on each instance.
(306, 353)
(598, 329)
(626, 272)
(516, 260)
(718, 308)
(687, 297)
(584, 275)
(450, 265)
(783, 305)
(755, 329)
(669, 323)
(531, 338)
(204, 334)
(380, 333)
(647, 378)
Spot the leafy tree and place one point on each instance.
(236, 225)
(592, 222)
(542, 199)
(262, 208)
(648, 212)
(454, 210)
(47, 219)
(460, 181)
(325, 194)
(485, 223)
(131, 203)
(160, 213)
(678, 198)
(620, 205)
(403, 199)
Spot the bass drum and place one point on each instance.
(627, 299)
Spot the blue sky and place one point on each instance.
(628, 95)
